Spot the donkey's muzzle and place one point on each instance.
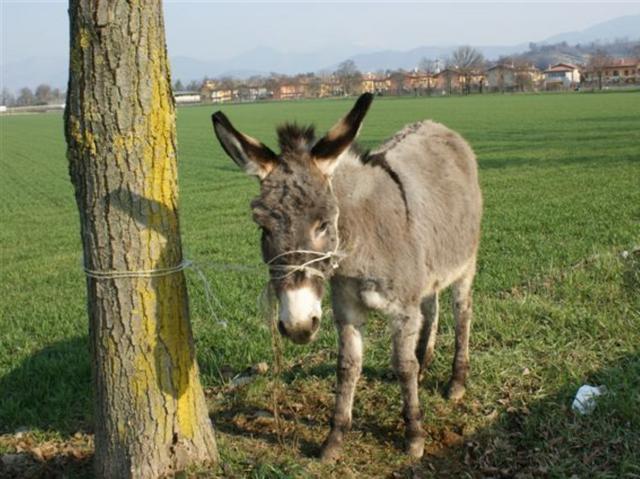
(300, 335)
(300, 312)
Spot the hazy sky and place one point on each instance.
(213, 30)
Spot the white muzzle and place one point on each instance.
(300, 313)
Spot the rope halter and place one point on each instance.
(287, 270)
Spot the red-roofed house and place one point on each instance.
(418, 82)
(616, 72)
(561, 75)
(448, 81)
(291, 90)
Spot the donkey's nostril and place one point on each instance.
(281, 329)
(315, 323)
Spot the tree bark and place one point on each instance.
(151, 419)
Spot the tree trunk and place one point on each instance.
(150, 414)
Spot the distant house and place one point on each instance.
(223, 95)
(621, 71)
(448, 81)
(561, 76)
(505, 77)
(290, 91)
(418, 82)
(476, 79)
(182, 97)
(501, 77)
(259, 92)
(374, 83)
(330, 87)
(252, 93)
(209, 85)
(217, 92)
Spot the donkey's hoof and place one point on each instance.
(455, 391)
(415, 447)
(330, 453)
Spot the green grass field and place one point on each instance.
(557, 301)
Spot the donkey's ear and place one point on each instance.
(248, 153)
(327, 150)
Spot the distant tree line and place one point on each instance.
(43, 95)
(543, 55)
(464, 62)
(347, 75)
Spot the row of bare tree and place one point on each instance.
(465, 60)
(43, 95)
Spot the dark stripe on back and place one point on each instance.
(380, 160)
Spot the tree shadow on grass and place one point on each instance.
(327, 370)
(49, 391)
(631, 272)
(239, 422)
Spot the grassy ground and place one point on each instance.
(557, 301)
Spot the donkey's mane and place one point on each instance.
(294, 138)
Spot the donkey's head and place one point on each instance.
(296, 210)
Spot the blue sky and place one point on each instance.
(214, 30)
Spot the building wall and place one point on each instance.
(223, 96)
(621, 73)
(192, 98)
(501, 78)
(561, 79)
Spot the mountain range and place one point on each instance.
(263, 60)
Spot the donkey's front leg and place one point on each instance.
(349, 317)
(405, 336)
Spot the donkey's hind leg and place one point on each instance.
(406, 328)
(428, 332)
(462, 311)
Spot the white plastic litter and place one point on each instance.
(585, 400)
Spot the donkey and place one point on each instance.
(389, 228)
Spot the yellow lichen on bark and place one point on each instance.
(164, 321)
(186, 407)
(84, 38)
(173, 333)
(159, 150)
(122, 147)
(164, 326)
(84, 138)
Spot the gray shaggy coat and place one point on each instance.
(389, 228)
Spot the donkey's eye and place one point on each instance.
(322, 228)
